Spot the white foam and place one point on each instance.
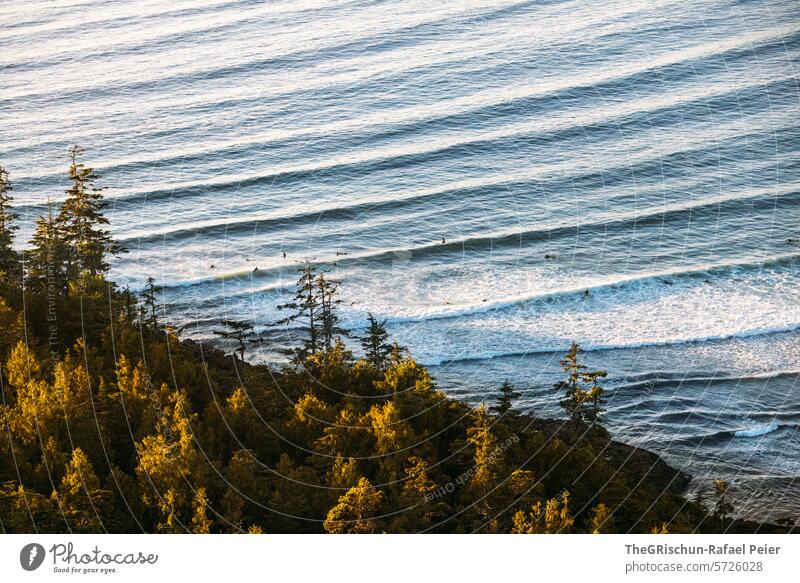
(757, 430)
(626, 313)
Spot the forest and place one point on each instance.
(112, 422)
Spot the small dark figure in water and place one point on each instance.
(443, 241)
(550, 256)
(341, 253)
(247, 259)
(212, 266)
(705, 281)
(284, 254)
(255, 269)
(793, 241)
(586, 294)
(666, 282)
(484, 299)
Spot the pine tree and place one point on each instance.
(601, 520)
(505, 401)
(305, 308)
(150, 302)
(356, 511)
(81, 219)
(201, 524)
(488, 467)
(421, 509)
(80, 497)
(551, 518)
(327, 292)
(9, 258)
(376, 345)
(239, 332)
(46, 261)
(583, 396)
(722, 508)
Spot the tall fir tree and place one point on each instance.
(238, 332)
(305, 308)
(149, 308)
(583, 395)
(376, 345)
(46, 260)
(722, 508)
(328, 294)
(9, 258)
(505, 400)
(81, 221)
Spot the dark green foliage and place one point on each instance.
(238, 332)
(81, 220)
(375, 344)
(327, 291)
(505, 400)
(9, 259)
(149, 310)
(305, 308)
(47, 260)
(722, 508)
(315, 306)
(583, 396)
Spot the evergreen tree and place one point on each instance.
(9, 259)
(488, 460)
(356, 511)
(201, 524)
(238, 332)
(505, 400)
(81, 220)
(305, 308)
(722, 508)
(551, 518)
(583, 395)
(327, 292)
(46, 261)
(79, 496)
(421, 509)
(376, 345)
(150, 302)
(601, 520)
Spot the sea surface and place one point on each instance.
(496, 178)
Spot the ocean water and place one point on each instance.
(496, 178)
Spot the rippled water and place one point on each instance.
(645, 152)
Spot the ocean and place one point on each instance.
(497, 179)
